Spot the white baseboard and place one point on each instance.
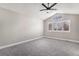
(75, 41)
(17, 43)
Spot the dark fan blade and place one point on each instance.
(48, 4)
(52, 5)
(53, 9)
(43, 9)
(44, 5)
(47, 9)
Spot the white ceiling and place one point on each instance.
(34, 9)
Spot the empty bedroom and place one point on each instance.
(39, 29)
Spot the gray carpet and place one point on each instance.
(43, 47)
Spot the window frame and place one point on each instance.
(59, 22)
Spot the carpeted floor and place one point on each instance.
(43, 47)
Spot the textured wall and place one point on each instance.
(74, 28)
(15, 27)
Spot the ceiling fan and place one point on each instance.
(48, 6)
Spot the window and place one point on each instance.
(60, 24)
(50, 26)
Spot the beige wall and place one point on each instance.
(74, 28)
(15, 27)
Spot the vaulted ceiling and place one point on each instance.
(33, 9)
